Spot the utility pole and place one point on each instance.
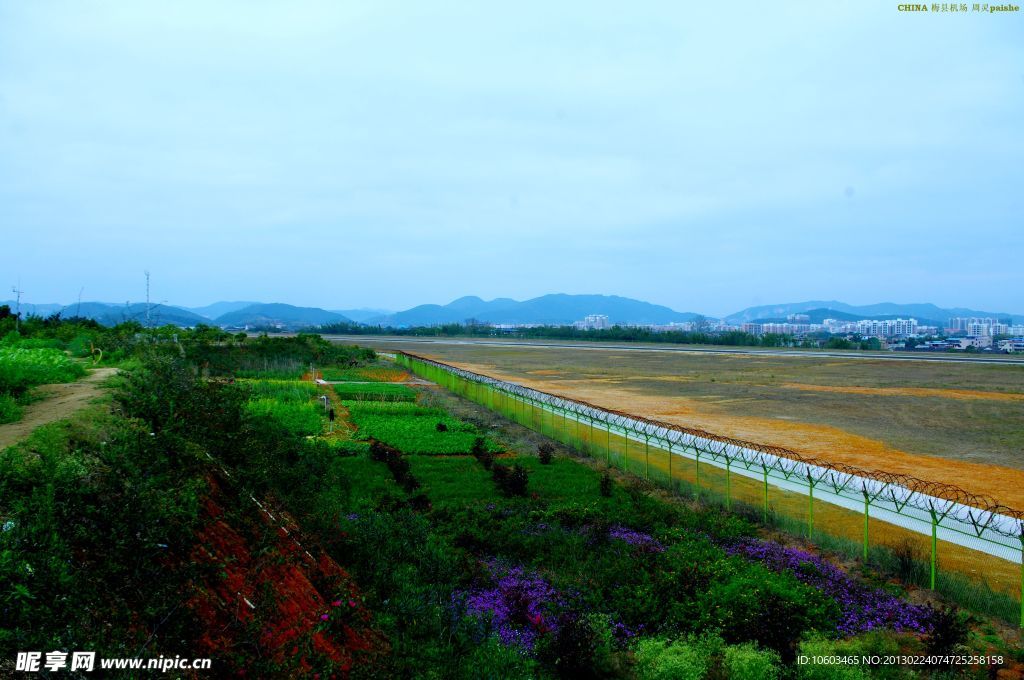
(78, 310)
(17, 311)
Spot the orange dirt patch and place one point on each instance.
(823, 441)
(909, 392)
(300, 611)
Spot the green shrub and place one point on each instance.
(21, 369)
(772, 609)
(747, 662)
(660, 659)
(10, 411)
(582, 647)
(511, 481)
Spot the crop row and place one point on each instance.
(413, 429)
(382, 374)
(374, 392)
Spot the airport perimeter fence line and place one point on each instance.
(980, 541)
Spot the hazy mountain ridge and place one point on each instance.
(362, 314)
(278, 313)
(881, 310)
(212, 311)
(110, 314)
(556, 309)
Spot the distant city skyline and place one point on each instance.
(387, 154)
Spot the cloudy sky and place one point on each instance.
(384, 154)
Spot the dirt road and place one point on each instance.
(58, 402)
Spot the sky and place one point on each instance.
(384, 154)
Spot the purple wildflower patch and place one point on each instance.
(862, 607)
(519, 606)
(635, 538)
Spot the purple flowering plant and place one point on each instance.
(638, 539)
(518, 606)
(862, 607)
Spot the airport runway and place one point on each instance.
(391, 340)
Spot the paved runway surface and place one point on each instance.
(390, 341)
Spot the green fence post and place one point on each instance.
(697, 494)
(728, 483)
(608, 447)
(935, 548)
(867, 507)
(810, 506)
(647, 457)
(764, 469)
(671, 479)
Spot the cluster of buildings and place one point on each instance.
(981, 327)
(869, 328)
(962, 333)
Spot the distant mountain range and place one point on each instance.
(547, 309)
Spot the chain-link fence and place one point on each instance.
(937, 535)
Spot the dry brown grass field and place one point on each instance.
(959, 423)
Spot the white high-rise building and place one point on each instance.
(593, 322)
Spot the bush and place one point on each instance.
(482, 453)
(511, 481)
(747, 662)
(774, 610)
(659, 659)
(399, 466)
(606, 484)
(582, 647)
(441, 427)
(9, 409)
(545, 452)
(949, 630)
